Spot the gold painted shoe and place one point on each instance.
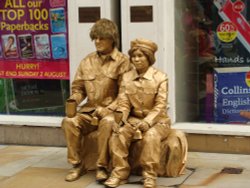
(114, 182)
(101, 175)
(149, 183)
(75, 174)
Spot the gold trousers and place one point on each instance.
(149, 151)
(77, 127)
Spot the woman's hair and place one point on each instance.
(106, 29)
(147, 47)
(149, 54)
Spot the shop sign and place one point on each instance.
(34, 39)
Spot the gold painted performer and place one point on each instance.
(96, 80)
(142, 102)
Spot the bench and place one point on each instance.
(173, 155)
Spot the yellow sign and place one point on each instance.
(227, 32)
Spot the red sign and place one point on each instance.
(37, 70)
(238, 6)
(34, 39)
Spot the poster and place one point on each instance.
(232, 37)
(231, 98)
(29, 32)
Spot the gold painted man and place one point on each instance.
(96, 80)
(142, 102)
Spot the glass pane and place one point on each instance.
(212, 61)
(34, 57)
(33, 96)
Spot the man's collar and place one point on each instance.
(112, 55)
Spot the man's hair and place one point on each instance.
(106, 29)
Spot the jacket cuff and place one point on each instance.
(150, 123)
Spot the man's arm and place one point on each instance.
(78, 88)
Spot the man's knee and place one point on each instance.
(106, 124)
(67, 123)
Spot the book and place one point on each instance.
(231, 94)
(9, 46)
(59, 46)
(57, 20)
(57, 3)
(42, 46)
(25, 46)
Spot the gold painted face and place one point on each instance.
(104, 46)
(140, 61)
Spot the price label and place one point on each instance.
(227, 31)
(248, 79)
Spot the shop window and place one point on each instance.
(212, 61)
(34, 57)
(33, 96)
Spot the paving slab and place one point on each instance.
(57, 159)
(137, 181)
(16, 158)
(2, 146)
(214, 178)
(217, 160)
(46, 167)
(33, 177)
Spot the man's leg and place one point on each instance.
(73, 130)
(104, 134)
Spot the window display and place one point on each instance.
(216, 47)
(34, 57)
(33, 96)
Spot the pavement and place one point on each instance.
(46, 167)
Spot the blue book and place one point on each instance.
(59, 46)
(58, 20)
(231, 94)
